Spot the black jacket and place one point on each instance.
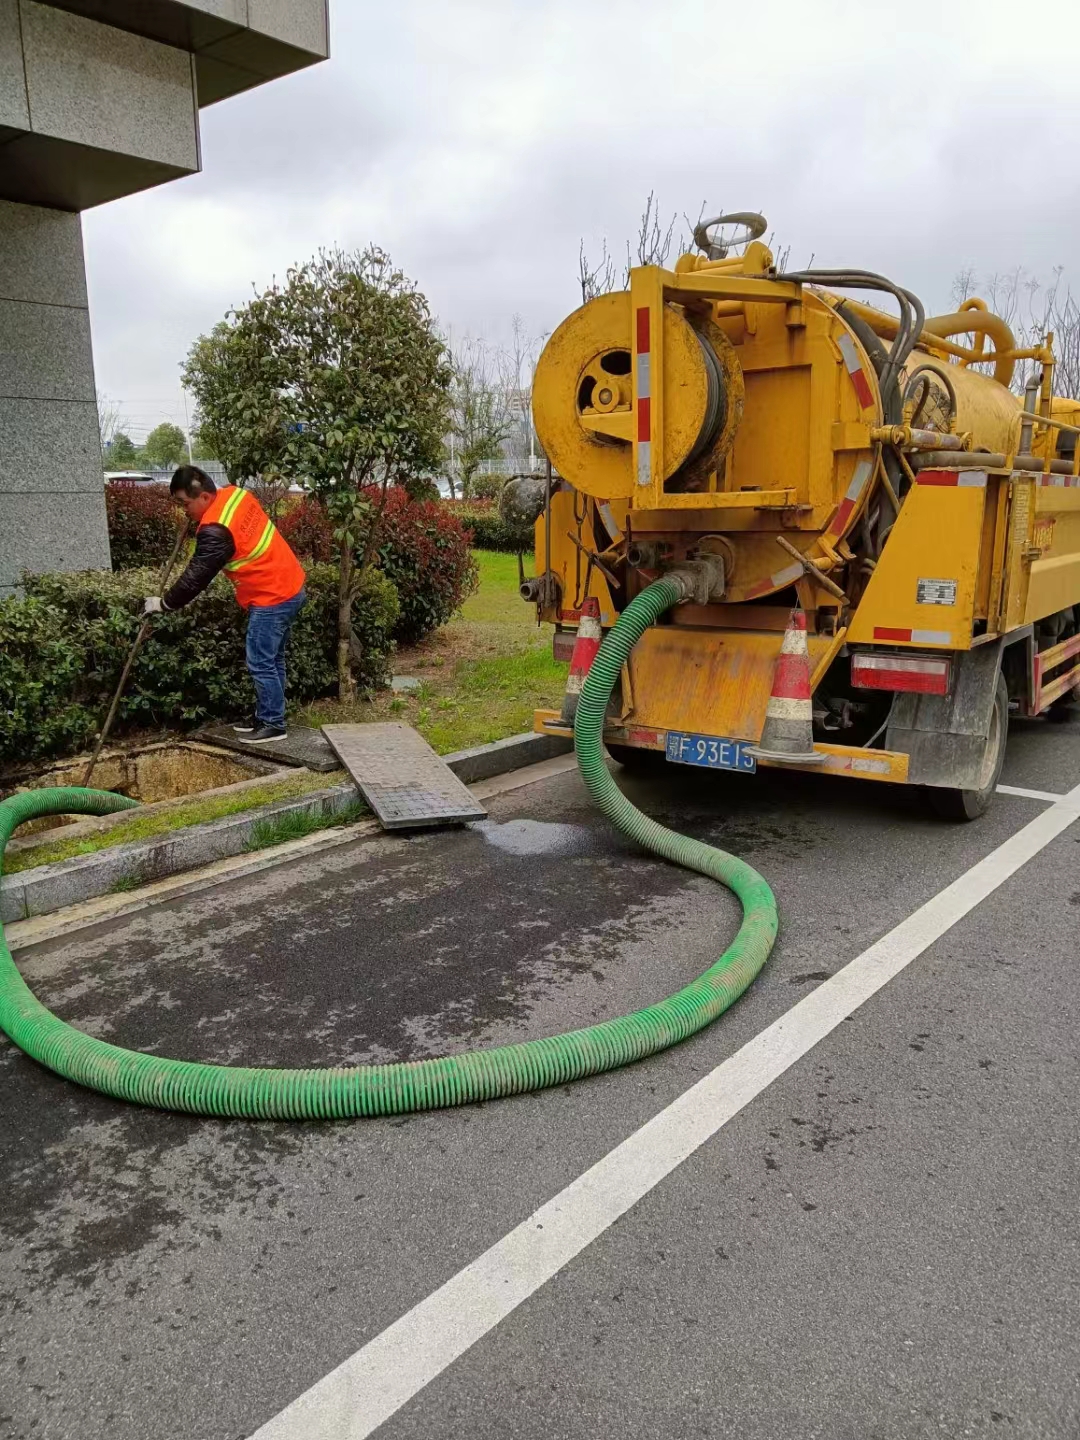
(214, 548)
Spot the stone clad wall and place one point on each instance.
(52, 508)
(98, 99)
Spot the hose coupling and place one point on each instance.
(699, 580)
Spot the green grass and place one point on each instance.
(277, 829)
(497, 600)
(482, 675)
(144, 827)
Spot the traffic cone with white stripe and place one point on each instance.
(586, 645)
(788, 734)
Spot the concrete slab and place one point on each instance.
(303, 746)
(401, 777)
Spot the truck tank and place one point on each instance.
(729, 403)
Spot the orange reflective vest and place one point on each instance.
(263, 569)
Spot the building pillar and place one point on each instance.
(52, 506)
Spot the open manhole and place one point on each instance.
(167, 770)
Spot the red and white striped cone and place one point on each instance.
(586, 645)
(788, 734)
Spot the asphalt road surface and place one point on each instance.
(880, 1239)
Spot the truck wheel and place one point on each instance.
(632, 757)
(970, 804)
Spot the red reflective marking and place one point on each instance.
(939, 477)
(643, 330)
(792, 678)
(644, 737)
(862, 388)
(882, 632)
(644, 418)
(846, 507)
(584, 654)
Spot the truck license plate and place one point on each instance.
(709, 750)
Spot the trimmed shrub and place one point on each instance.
(143, 520)
(63, 647)
(306, 526)
(424, 551)
(482, 519)
(422, 548)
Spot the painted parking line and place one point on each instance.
(1050, 796)
(373, 1384)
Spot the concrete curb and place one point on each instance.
(45, 888)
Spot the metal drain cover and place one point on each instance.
(401, 777)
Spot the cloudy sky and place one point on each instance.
(480, 141)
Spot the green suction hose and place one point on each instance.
(339, 1093)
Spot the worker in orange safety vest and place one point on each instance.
(236, 535)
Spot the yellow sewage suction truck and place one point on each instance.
(777, 447)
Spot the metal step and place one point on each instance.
(401, 777)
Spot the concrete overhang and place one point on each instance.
(100, 98)
(236, 44)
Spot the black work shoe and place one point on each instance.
(267, 732)
(245, 727)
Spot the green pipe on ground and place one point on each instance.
(338, 1093)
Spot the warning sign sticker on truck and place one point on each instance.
(936, 592)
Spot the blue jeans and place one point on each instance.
(268, 630)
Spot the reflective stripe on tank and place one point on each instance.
(261, 548)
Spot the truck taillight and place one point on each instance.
(924, 674)
(562, 645)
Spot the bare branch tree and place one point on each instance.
(521, 363)
(109, 418)
(654, 244)
(595, 279)
(481, 412)
(1032, 311)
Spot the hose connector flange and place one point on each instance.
(699, 580)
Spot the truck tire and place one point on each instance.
(970, 804)
(633, 757)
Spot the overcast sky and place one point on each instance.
(480, 140)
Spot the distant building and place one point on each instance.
(98, 99)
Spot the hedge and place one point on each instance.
(422, 548)
(424, 551)
(483, 520)
(143, 521)
(63, 645)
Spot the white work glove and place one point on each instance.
(152, 605)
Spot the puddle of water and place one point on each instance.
(533, 837)
(150, 773)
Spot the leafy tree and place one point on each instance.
(335, 378)
(202, 444)
(222, 368)
(122, 453)
(165, 445)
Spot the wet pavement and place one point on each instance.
(883, 1243)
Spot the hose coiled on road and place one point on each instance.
(360, 1090)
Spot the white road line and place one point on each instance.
(1048, 795)
(374, 1383)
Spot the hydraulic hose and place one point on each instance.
(359, 1090)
